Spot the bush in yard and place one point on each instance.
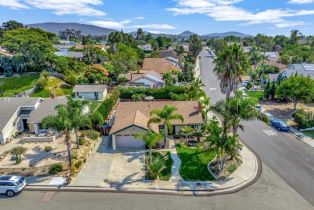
(82, 141)
(18, 151)
(91, 134)
(55, 168)
(303, 119)
(78, 164)
(47, 148)
(107, 105)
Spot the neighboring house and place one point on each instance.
(247, 49)
(24, 114)
(146, 47)
(299, 69)
(159, 65)
(168, 53)
(90, 92)
(147, 79)
(274, 60)
(272, 55)
(132, 117)
(70, 54)
(173, 61)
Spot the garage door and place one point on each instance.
(129, 142)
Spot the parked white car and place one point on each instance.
(259, 108)
(11, 185)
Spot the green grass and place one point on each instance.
(309, 133)
(255, 94)
(14, 85)
(166, 173)
(54, 85)
(194, 163)
(93, 105)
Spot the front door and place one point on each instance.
(25, 125)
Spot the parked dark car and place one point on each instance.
(279, 125)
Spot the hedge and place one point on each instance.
(157, 93)
(304, 119)
(108, 104)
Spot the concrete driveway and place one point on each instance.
(106, 168)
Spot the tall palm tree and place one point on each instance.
(150, 139)
(230, 64)
(196, 89)
(165, 118)
(205, 103)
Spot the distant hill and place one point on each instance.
(221, 35)
(186, 34)
(84, 28)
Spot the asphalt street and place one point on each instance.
(288, 157)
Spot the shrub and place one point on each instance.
(107, 105)
(78, 164)
(91, 134)
(231, 168)
(18, 151)
(47, 148)
(55, 168)
(82, 141)
(304, 119)
(97, 118)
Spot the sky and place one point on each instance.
(269, 17)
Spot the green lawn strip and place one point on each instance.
(166, 173)
(14, 85)
(54, 85)
(255, 94)
(309, 133)
(93, 105)
(194, 163)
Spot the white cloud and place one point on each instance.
(301, 1)
(139, 18)
(62, 7)
(227, 10)
(111, 24)
(13, 4)
(155, 26)
(59, 7)
(155, 32)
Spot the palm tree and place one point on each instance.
(205, 103)
(196, 89)
(236, 109)
(165, 117)
(79, 120)
(156, 166)
(230, 64)
(150, 139)
(65, 121)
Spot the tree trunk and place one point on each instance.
(165, 135)
(150, 156)
(295, 104)
(77, 140)
(228, 93)
(68, 144)
(234, 130)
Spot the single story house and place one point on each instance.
(299, 69)
(159, 65)
(20, 114)
(168, 53)
(90, 92)
(148, 79)
(132, 117)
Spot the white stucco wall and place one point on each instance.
(91, 95)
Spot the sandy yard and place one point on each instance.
(284, 110)
(36, 156)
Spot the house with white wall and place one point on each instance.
(90, 92)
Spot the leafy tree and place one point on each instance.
(150, 139)
(96, 119)
(297, 89)
(94, 55)
(195, 46)
(187, 131)
(169, 79)
(11, 25)
(125, 59)
(165, 117)
(230, 65)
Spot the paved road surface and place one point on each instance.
(290, 158)
(268, 193)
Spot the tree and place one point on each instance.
(220, 140)
(297, 88)
(196, 89)
(165, 117)
(238, 108)
(295, 36)
(157, 165)
(187, 132)
(195, 46)
(18, 151)
(169, 79)
(125, 59)
(11, 25)
(63, 122)
(150, 139)
(140, 34)
(230, 64)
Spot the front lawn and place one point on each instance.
(194, 163)
(56, 86)
(309, 133)
(93, 105)
(166, 173)
(13, 85)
